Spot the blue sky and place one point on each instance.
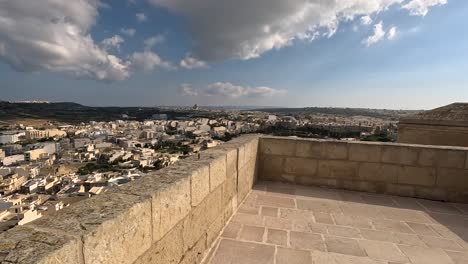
(422, 66)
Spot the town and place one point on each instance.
(54, 165)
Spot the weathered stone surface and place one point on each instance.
(170, 249)
(308, 241)
(196, 253)
(420, 255)
(174, 204)
(217, 171)
(452, 178)
(417, 176)
(233, 252)
(333, 150)
(252, 233)
(337, 169)
(365, 152)
(309, 149)
(344, 246)
(383, 251)
(25, 245)
(442, 158)
(277, 237)
(278, 146)
(292, 256)
(271, 167)
(379, 172)
(246, 179)
(200, 184)
(301, 166)
(402, 155)
(109, 224)
(201, 217)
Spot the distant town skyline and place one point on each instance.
(392, 54)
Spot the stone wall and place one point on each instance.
(171, 216)
(433, 134)
(430, 172)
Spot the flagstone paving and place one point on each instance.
(281, 223)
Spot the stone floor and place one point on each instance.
(288, 224)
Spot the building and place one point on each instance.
(11, 137)
(47, 133)
(12, 160)
(447, 125)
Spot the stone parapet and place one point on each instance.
(170, 216)
(429, 172)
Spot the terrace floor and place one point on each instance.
(288, 224)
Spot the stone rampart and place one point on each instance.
(429, 172)
(171, 216)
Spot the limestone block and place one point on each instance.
(246, 178)
(271, 166)
(195, 254)
(231, 160)
(442, 158)
(159, 186)
(278, 146)
(200, 217)
(200, 184)
(300, 166)
(334, 150)
(378, 172)
(337, 169)
(452, 178)
(365, 152)
(401, 190)
(214, 229)
(421, 176)
(431, 193)
(229, 187)
(24, 244)
(314, 181)
(174, 204)
(400, 155)
(308, 148)
(466, 161)
(109, 224)
(168, 250)
(217, 171)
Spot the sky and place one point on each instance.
(393, 54)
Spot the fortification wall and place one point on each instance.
(171, 216)
(430, 172)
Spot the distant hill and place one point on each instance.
(347, 112)
(67, 112)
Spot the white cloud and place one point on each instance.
(190, 62)
(187, 90)
(44, 35)
(147, 61)
(377, 36)
(421, 7)
(112, 43)
(226, 89)
(246, 29)
(366, 20)
(128, 31)
(392, 33)
(153, 41)
(141, 17)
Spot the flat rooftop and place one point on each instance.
(282, 223)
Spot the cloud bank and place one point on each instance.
(245, 29)
(221, 29)
(44, 35)
(229, 90)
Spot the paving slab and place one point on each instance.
(284, 223)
